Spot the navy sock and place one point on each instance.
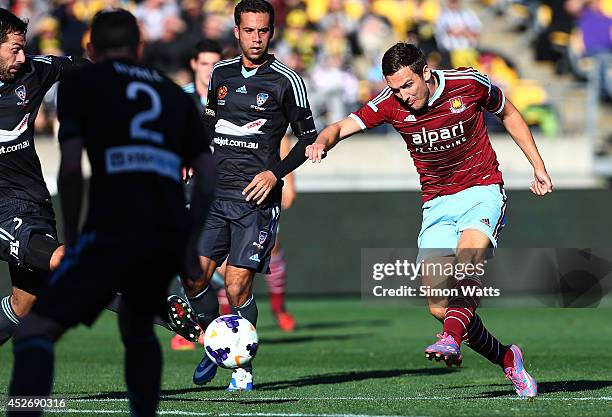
(8, 320)
(206, 306)
(143, 365)
(248, 310)
(32, 370)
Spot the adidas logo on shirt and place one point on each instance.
(410, 118)
(254, 258)
(242, 90)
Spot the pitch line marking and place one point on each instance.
(233, 400)
(203, 414)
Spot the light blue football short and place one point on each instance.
(480, 207)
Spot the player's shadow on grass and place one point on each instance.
(312, 338)
(352, 376)
(572, 386)
(332, 324)
(554, 386)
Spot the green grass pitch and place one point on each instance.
(352, 359)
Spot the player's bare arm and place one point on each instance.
(518, 129)
(70, 186)
(330, 136)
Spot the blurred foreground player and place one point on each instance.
(28, 238)
(137, 145)
(440, 115)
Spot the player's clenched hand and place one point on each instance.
(315, 152)
(260, 187)
(542, 184)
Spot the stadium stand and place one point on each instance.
(345, 39)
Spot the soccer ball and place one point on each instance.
(231, 341)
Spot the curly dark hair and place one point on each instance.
(9, 23)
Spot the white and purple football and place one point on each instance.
(231, 341)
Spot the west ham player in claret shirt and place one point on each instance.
(440, 115)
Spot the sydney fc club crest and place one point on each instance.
(262, 98)
(456, 105)
(22, 94)
(263, 235)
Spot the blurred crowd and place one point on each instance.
(337, 45)
(575, 35)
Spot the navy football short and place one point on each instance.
(19, 220)
(100, 265)
(241, 231)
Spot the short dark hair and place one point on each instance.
(254, 6)
(403, 54)
(114, 29)
(9, 23)
(205, 45)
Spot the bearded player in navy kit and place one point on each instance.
(251, 101)
(139, 130)
(28, 239)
